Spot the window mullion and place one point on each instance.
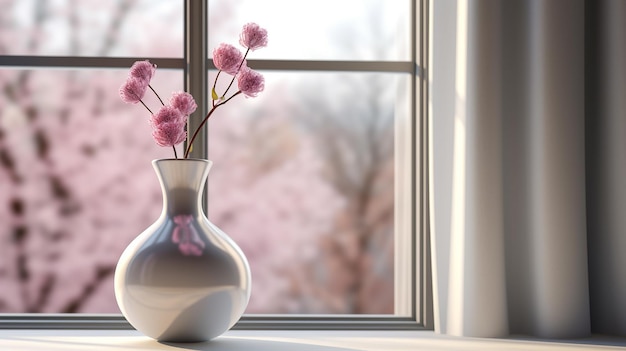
(196, 70)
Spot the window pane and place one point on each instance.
(317, 30)
(303, 180)
(143, 28)
(76, 185)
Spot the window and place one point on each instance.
(328, 152)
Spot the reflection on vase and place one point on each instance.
(186, 236)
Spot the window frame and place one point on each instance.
(419, 308)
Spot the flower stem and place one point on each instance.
(214, 85)
(175, 154)
(146, 106)
(233, 80)
(227, 100)
(155, 93)
(204, 122)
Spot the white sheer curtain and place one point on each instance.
(528, 167)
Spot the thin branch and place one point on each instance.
(195, 134)
(146, 106)
(73, 23)
(40, 16)
(238, 68)
(44, 294)
(157, 95)
(77, 303)
(121, 12)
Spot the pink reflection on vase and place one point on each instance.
(186, 236)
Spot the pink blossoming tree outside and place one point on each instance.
(76, 184)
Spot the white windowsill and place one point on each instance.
(257, 340)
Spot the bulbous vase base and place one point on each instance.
(182, 279)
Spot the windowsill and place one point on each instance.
(257, 340)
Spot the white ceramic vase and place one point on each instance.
(182, 279)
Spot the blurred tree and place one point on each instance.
(265, 191)
(356, 139)
(308, 192)
(314, 176)
(305, 188)
(69, 153)
(353, 128)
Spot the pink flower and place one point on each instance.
(170, 121)
(169, 133)
(143, 70)
(227, 58)
(253, 37)
(133, 90)
(167, 114)
(183, 102)
(250, 82)
(168, 126)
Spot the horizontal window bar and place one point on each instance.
(247, 322)
(176, 63)
(84, 62)
(320, 322)
(62, 321)
(362, 66)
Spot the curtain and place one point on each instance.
(527, 167)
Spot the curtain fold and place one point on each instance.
(477, 273)
(526, 167)
(605, 68)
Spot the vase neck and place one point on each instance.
(182, 182)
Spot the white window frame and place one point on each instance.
(413, 293)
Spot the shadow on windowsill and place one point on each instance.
(236, 344)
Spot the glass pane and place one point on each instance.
(317, 30)
(303, 180)
(76, 185)
(143, 28)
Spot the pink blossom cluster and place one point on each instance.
(135, 86)
(229, 59)
(250, 82)
(169, 123)
(168, 126)
(253, 37)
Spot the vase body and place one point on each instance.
(182, 279)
